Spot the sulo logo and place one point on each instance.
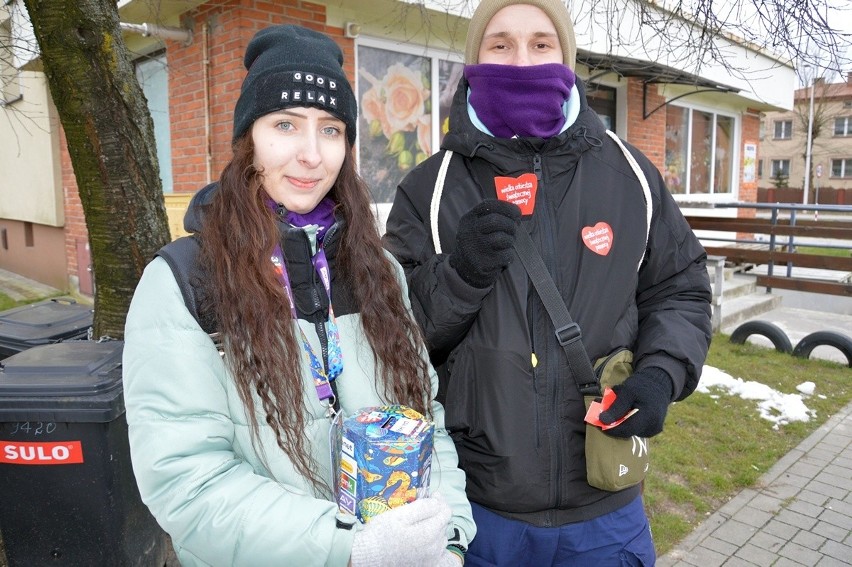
(59, 453)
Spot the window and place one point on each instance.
(760, 168)
(722, 162)
(153, 75)
(10, 90)
(843, 126)
(780, 168)
(602, 101)
(783, 129)
(699, 151)
(841, 168)
(397, 93)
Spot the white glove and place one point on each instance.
(414, 535)
(449, 559)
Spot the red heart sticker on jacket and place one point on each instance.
(598, 238)
(518, 190)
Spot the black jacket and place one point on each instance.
(519, 430)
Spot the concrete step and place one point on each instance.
(738, 286)
(742, 308)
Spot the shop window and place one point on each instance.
(699, 151)
(153, 75)
(398, 94)
(602, 100)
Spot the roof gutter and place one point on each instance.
(161, 32)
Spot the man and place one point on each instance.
(530, 155)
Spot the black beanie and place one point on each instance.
(294, 66)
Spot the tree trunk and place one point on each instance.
(110, 138)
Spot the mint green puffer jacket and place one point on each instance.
(224, 499)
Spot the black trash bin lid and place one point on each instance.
(41, 323)
(72, 381)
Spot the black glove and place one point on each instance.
(484, 241)
(650, 391)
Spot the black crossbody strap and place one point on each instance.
(567, 331)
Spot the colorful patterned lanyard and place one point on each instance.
(322, 379)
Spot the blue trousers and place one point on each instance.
(619, 539)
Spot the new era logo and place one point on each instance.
(623, 470)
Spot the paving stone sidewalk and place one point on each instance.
(20, 288)
(799, 514)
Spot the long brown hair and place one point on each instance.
(253, 315)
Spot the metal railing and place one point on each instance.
(776, 234)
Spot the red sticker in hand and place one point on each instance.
(593, 415)
(598, 238)
(518, 190)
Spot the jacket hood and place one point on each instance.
(193, 220)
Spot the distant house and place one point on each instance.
(695, 119)
(784, 139)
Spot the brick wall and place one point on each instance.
(227, 27)
(648, 135)
(750, 134)
(75, 221)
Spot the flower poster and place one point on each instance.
(395, 117)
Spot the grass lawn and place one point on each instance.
(842, 252)
(7, 302)
(715, 445)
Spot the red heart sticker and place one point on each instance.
(518, 190)
(598, 238)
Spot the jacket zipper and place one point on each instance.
(320, 325)
(552, 356)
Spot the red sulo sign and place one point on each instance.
(59, 453)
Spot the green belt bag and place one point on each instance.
(613, 463)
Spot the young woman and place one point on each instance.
(233, 449)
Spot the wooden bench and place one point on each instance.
(773, 250)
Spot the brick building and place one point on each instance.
(694, 119)
(784, 139)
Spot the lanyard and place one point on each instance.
(322, 378)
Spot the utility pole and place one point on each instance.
(810, 139)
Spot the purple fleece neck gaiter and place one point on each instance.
(322, 216)
(520, 101)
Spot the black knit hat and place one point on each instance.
(294, 66)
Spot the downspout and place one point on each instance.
(205, 54)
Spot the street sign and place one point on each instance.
(819, 170)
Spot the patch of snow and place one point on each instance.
(773, 405)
